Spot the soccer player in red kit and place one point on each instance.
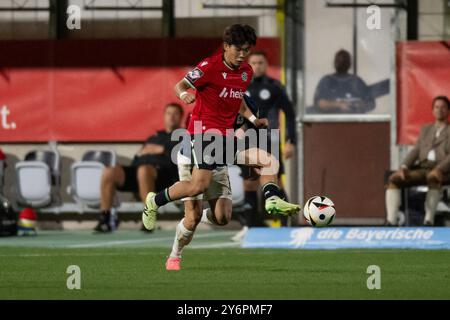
(220, 82)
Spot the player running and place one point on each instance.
(218, 195)
(220, 82)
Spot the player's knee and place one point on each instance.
(224, 216)
(272, 165)
(222, 221)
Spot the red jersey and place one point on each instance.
(219, 94)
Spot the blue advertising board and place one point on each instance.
(348, 237)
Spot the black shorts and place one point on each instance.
(211, 151)
(166, 177)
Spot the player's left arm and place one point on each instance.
(248, 114)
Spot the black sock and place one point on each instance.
(283, 195)
(162, 197)
(251, 202)
(270, 189)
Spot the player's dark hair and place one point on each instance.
(443, 98)
(258, 53)
(239, 34)
(175, 105)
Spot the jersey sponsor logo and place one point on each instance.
(244, 76)
(194, 75)
(224, 74)
(229, 92)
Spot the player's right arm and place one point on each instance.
(194, 79)
(181, 91)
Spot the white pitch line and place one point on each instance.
(215, 245)
(122, 242)
(31, 255)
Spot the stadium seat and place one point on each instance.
(86, 176)
(237, 185)
(35, 177)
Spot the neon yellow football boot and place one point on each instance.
(149, 213)
(276, 205)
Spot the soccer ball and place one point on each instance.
(319, 211)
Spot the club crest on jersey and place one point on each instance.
(244, 76)
(195, 74)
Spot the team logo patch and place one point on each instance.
(194, 75)
(244, 76)
(264, 94)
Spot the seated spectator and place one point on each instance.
(428, 163)
(342, 92)
(151, 169)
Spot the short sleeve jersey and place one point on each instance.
(219, 93)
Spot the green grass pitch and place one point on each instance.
(130, 265)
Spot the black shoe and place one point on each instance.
(428, 224)
(103, 227)
(105, 224)
(388, 224)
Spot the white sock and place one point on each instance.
(182, 238)
(393, 201)
(431, 202)
(206, 216)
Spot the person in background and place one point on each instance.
(151, 170)
(428, 163)
(269, 97)
(342, 92)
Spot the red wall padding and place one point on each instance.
(96, 90)
(423, 72)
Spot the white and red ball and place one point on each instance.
(319, 211)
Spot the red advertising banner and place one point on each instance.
(423, 72)
(91, 91)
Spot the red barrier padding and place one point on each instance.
(96, 90)
(423, 72)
